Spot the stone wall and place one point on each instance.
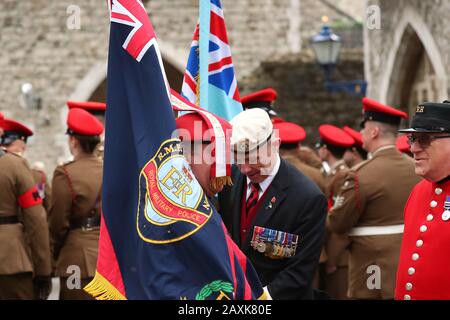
(37, 47)
(301, 95)
(61, 64)
(257, 29)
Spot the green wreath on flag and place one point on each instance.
(215, 286)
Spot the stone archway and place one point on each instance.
(174, 77)
(93, 86)
(415, 70)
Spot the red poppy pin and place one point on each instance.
(272, 201)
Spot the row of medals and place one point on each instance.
(275, 249)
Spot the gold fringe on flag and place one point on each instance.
(220, 182)
(263, 296)
(102, 289)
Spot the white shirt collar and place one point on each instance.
(267, 181)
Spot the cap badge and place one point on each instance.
(420, 109)
(243, 146)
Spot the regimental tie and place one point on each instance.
(253, 199)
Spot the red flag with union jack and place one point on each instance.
(160, 238)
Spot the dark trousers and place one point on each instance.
(336, 283)
(74, 294)
(17, 286)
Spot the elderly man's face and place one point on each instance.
(431, 155)
(258, 165)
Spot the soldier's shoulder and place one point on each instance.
(342, 167)
(341, 171)
(297, 163)
(310, 169)
(311, 172)
(12, 155)
(9, 160)
(67, 164)
(350, 175)
(62, 168)
(14, 158)
(362, 166)
(16, 166)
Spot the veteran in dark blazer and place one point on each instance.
(273, 212)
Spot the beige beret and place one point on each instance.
(251, 129)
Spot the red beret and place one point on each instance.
(357, 136)
(335, 136)
(276, 120)
(192, 121)
(376, 111)
(201, 130)
(290, 132)
(14, 126)
(83, 123)
(265, 95)
(1, 119)
(202, 120)
(87, 105)
(402, 144)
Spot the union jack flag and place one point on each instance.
(212, 72)
(133, 14)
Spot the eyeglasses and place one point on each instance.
(424, 140)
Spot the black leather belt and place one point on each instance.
(9, 220)
(86, 224)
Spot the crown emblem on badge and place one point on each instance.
(187, 173)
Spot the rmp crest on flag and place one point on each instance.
(160, 238)
(209, 80)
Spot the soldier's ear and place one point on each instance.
(73, 143)
(375, 131)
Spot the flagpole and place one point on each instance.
(205, 13)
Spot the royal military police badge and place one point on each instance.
(171, 204)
